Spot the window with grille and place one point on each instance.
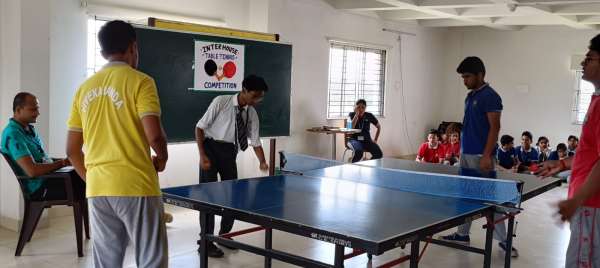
(583, 96)
(95, 61)
(355, 72)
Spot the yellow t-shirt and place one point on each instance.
(108, 108)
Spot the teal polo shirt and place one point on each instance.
(18, 142)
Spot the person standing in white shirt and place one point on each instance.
(226, 127)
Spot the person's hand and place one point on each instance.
(159, 163)
(264, 166)
(205, 163)
(548, 168)
(567, 208)
(65, 162)
(358, 112)
(485, 163)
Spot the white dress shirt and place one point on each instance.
(219, 121)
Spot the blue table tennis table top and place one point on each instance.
(359, 206)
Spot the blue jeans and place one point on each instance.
(359, 147)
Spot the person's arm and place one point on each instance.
(254, 137)
(204, 161)
(33, 169)
(206, 122)
(421, 153)
(157, 139)
(492, 140)
(378, 126)
(355, 119)
(590, 187)
(553, 167)
(75, 152)
(260, 154)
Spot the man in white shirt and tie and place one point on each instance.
(229, 122)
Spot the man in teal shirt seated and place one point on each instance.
(22, 143)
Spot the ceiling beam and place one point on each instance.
(453, 3)
(405, 14)
(567, 20)
(360, 5)
(581, 9)
(452, 14)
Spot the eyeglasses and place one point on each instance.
(587, 60)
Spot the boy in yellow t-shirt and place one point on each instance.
(116, 115)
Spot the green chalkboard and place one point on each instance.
(168, 57)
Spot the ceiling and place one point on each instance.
(496, 14)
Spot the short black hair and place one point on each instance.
(116, 36)
(434, 131)
(561, 146)
(361, 101)
(472, 64)
(506, 139)
(573, 137)
(527, 134)
(541, 138)
(595, 44)
(255, 83)
(20, 100)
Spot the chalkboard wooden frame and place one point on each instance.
(168, 57)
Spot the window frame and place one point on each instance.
(577, 97)
(385, 66)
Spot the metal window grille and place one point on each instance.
(355, 72)
(583, 96)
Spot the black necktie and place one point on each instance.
(242, 129)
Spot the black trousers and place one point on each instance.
(54, 189)
(365, 146)
(222, 158)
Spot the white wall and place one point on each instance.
(537, 58)
(45, 46)
(25, 48)
(68, 46)
(307, 24)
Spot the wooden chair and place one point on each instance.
(34, 208)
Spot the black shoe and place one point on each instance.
(226, 246)
(513, 253)
(213, 251)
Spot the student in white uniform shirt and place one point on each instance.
(225, 128)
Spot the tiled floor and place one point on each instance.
(541, 243)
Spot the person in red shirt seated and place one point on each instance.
(431, 151)
(452, 148)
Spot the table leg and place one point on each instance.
(203, 241)
(509, 241)
(268, 245)
(489, 233)
(339, 256)
(414, 253)
(333, 146)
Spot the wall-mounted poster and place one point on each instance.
(218, 66)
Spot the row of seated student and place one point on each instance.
(522, 157)
(439, 149)
(445, 151)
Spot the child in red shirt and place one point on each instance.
(452, 149)
(431, 151)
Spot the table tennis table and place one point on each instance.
(372, 206)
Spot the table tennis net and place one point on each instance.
(298, 163)
(455, 186)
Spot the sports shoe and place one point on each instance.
(456, 238)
